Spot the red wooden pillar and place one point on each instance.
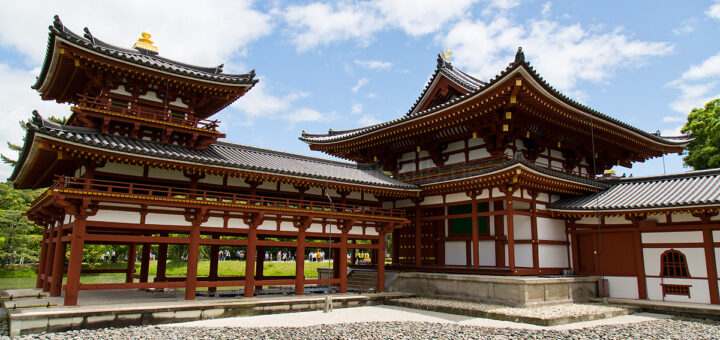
(499, 235)
(475, 230)
(342, 259)
(192, 263)
(640, 265)
(214, 258)
(710, 264)
(77, 244)
(260, 263)
(381, 261)
(58, 270)
(510, 233)
(130, 269)
(250, 261)
(50, 261)
(534, 233)
(145, 263)
(42, 260)
(300, 262)
(161, 261)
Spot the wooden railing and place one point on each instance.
(130, 109)
(453, 168)
(103, 187)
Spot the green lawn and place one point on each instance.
(24, 277)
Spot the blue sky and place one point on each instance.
(347, 64)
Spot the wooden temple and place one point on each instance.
(504, 177)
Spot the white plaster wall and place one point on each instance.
(166, 174)
(287, 187)
(673, 237)
(541, 161)
(478, 154)
(557, 164)
(268, 185)
(432, 200)
(315, 228)
(497, 193)
(589, 220)
(699, 290)
(355, 195)
(457, 197)
(487, 253)
(371, 232)
(519, 205)
(116, 216)
(623, 287)
(716, 235)
(475, 141)
(523, 255)
(123, 169)
(166, 219)
(355, 231)
(717, 260)
(715, 218)
(407, 167)
(287, 226)
(370, 197)
(404, 203)
(216, 222)
(455, 158)
(407, 156)
(237, 182)
(684, 217)
(121, 90)
(522, 228)
(387, 205)
(551, 229)
(268, 225)
(543, 197)
(454, 146)
(212, 179)
(151, 96)
(178, 102)
(426, 164)
(314, 191)
(236, 223)
(455, 253)
(556, 154)
(695, 259)
(615, 220)
(517, 193)
(554, 198)
(423, 153)
(552, 256)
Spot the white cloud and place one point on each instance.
(687, 26)
(23, 26)
(260, 102)
(546, 9)
(672, 131)
(367, 120)
(18, 103)
(309, 115)
(357, 108)
(673, 119)
(562, 54)
(318, 24)
(360, 83)
(698, 85)
(374, 64)
(714, 11)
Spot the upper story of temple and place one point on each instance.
(461, 126)
(135, 92)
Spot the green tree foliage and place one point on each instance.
(19, 237)
(704, 126)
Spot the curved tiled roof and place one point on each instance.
(138, 57)
(694, 188)
(519, 62)
(230, 155)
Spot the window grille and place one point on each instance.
(668, 289)
(674, 264)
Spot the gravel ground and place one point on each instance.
(657, 329)
(542, 312)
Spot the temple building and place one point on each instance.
(500, 177)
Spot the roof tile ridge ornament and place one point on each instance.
(89, 35)
(145, 45)
(57, 23)
(519, 55)
(443, 59)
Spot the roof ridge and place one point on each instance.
(657, 178)
(285, 153)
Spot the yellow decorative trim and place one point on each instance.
(143, 119)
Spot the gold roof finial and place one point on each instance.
(447, 55)
(144, 43)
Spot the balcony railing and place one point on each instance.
(99, 188)
(142, 112)
(453, 168)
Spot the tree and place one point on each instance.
(704, 126)
(20, 238)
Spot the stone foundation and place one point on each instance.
(519, 291)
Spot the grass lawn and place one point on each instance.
(24, 277)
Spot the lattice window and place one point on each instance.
(674, 264)
(676, 290)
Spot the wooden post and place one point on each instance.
(214, 258)
(342, 256)
(499, 233)
(250, 261)
(381, 261)
(192, 262)
(534, 234)
(710, 261)
(300, 262)
(58, 269)
(510, 233)
(77, 244)
(640, 265)
(145, 263)
(260, 263)
(50, 261)
(130, 269)
(162, 260)
(42, 260)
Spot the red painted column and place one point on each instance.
(342, 260)
(710, 263)
(300, 263)
(42, 260)
(130, 269)
(192, 263)
(58, 270)
(145, 263)
(50, 261)
(250, 261)
(77, 244)
(161, 261)
(534, 233)
(214, 258)
(499, 233)
(260, 263)
(381, 262)
(640, 265)
(510, 233)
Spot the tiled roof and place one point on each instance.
(139, 57)
(519, 62)
(694, 188)
(222, 154)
